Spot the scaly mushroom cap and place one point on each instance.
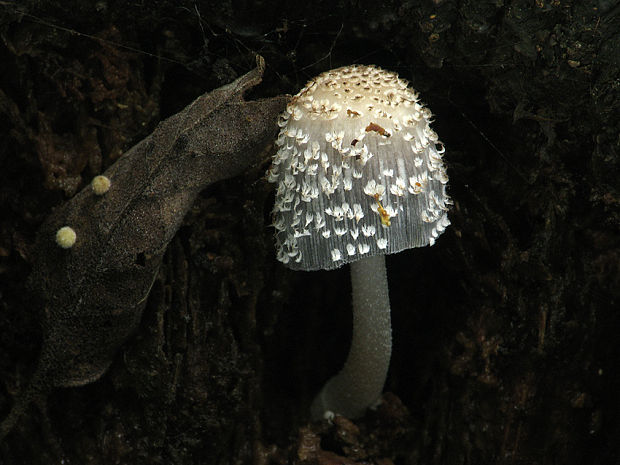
(359, 171)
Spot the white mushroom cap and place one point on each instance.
(359, 171)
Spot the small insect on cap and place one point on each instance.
(358, 169)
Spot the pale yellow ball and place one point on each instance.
(65, 237)
(100, 184)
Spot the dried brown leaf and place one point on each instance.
(93, 294)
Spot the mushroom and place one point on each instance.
(66, 237)
(359, 175)
(100, 184)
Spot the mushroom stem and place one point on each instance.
(360, 382)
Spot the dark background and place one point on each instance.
(505, 332)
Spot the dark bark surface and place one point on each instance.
(506, 331)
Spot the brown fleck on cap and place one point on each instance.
(359, 171)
